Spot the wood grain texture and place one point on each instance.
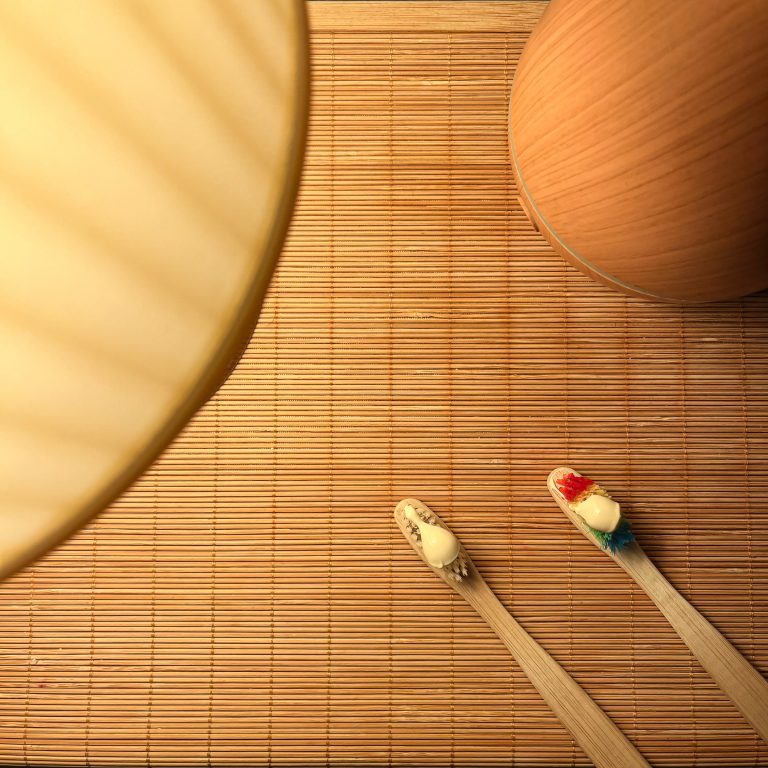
(735, 676)
(639, 134)
(420, 339)
(597, 735)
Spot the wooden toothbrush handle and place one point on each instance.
(737, 678)
(592, 729)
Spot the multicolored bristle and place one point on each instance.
(574, 487)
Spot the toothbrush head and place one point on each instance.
(432, 540)
(577, 495)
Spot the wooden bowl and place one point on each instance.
(150, 156)
(639, 141)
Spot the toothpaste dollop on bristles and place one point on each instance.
(439, 545)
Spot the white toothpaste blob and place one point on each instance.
(599, 512)
(440, 547)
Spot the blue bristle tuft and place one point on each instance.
(621, 537)
(617, 539)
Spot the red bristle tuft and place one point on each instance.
(572, 486)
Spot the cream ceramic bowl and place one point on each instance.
(149, 155)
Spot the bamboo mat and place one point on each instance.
(250, 601)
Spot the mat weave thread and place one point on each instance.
(250, 600)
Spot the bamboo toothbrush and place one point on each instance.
(592, 729)
(737, 678)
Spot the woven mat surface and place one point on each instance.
(250, 600)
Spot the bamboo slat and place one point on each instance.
(250, 600)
